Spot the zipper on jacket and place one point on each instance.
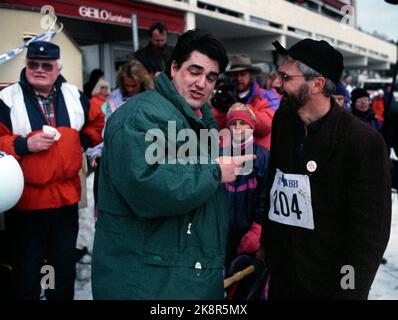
(198, 267)
(189, 228)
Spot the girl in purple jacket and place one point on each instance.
(246, 195)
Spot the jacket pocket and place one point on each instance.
(183, 248)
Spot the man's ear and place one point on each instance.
(319, 85)
(173, 69)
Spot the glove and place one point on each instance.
(250, 242)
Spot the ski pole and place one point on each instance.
(239, 275)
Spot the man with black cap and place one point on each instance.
(248, 91)
(44, 123)
(329, 195)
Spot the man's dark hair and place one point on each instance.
(201, 41)
(157, 26)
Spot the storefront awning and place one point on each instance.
(116, 12)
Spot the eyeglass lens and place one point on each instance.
(33, 65)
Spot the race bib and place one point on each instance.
(291, 200)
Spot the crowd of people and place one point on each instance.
(301, 181)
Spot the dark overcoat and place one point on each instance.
(351, 201)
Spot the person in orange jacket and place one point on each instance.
(45, 123)
(378, 107)
(100, 95)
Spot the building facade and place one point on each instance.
(102, 30)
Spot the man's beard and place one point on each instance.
(158, 47)
(297, 100)
(242, 87)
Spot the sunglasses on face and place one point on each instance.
(34, 65)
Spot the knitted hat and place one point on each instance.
(357, 94)
(340, 90)
(239, 111)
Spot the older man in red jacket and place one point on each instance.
(45, 123)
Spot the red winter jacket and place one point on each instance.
(51, 176)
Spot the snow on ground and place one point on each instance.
(85, 238)
(385, 286)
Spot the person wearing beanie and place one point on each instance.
(328, 206)
(242, 122)
(360, 107)
(246, 90)
(247, 193)
(341, 96)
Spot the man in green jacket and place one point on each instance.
(162, 227)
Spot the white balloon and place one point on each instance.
(11, 182)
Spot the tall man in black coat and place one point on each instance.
(329, 194)
(157, 53)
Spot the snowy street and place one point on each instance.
(85, 238)
(385, 286)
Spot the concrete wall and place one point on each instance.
(13, 24)
(290, 15)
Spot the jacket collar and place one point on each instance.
(254, 91)
(328, 131)
(331, 122)
(254, 88)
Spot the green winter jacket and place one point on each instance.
(162, 228)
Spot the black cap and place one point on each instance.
(43, 50)
(319, 55)
(357, 94)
